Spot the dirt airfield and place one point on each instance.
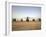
(32, 25)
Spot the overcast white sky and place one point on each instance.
(24, 11)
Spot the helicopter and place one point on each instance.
(27, 18)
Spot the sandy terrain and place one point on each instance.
(16, 26)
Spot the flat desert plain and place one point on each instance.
(32, 25)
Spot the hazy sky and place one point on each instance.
(24, 11)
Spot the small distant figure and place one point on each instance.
(33, 20)
(14, 20)
(27, 19)
(39, 19)
(21, 20)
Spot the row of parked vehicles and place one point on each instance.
(27, 19)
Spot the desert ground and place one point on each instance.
(32, 25)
